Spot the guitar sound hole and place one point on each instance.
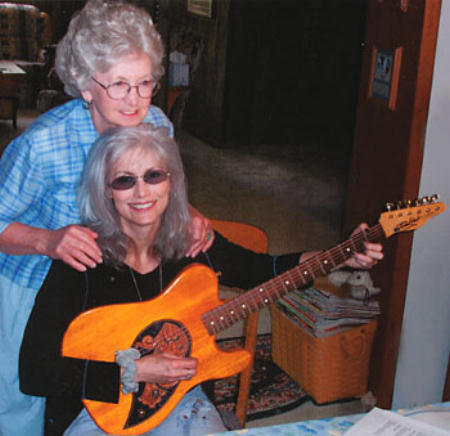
(164, 336)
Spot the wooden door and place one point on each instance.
(389, 139)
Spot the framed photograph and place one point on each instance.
(382, 74)
(203, 8)
(385, 75)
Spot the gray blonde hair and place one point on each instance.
(100, 36)
(97, 209)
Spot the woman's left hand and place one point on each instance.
(202, 234)
(366, 260)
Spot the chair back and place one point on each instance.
(24, 31)
(247, 235)
(255, 239)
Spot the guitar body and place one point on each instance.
(173, 323)
(169, 323)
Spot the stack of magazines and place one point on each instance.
(322, 313)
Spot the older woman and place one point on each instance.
(133, 196)
(110, 60)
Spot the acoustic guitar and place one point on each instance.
(184, 322)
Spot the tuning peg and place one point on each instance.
(389, 206)
(434, 198)
(403, 204)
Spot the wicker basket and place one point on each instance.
(328, 369)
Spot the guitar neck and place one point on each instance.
(239, 308)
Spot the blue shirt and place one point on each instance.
(39, 174)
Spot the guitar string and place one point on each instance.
(341, 252)
(354, 242)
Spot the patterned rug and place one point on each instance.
(272, 391)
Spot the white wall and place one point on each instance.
(425, 340)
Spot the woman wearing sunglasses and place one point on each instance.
(110, 61)
(133, 196)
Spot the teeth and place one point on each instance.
(143, 206)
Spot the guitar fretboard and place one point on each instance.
(239, 308)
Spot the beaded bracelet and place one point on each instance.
(126, 359)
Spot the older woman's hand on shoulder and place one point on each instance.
(74, 245)
(202, 235)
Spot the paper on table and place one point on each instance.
(380, 422)
(9, 67)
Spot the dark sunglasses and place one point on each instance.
(152, 177)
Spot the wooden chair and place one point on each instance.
(255, 239)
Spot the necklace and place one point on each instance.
(138, 291)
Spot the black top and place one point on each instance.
(66, 293)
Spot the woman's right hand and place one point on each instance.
(165, 368)
(74, 245)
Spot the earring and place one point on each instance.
(87, 104)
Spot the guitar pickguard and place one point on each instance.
(163, 336)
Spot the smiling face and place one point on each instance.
(131, 109)
(142, 206)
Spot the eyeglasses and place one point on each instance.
(151, 177)
(119, 90)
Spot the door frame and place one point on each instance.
(393, 273)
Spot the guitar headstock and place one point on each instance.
(409, 215)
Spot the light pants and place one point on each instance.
(193, 416)
(20, 414)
